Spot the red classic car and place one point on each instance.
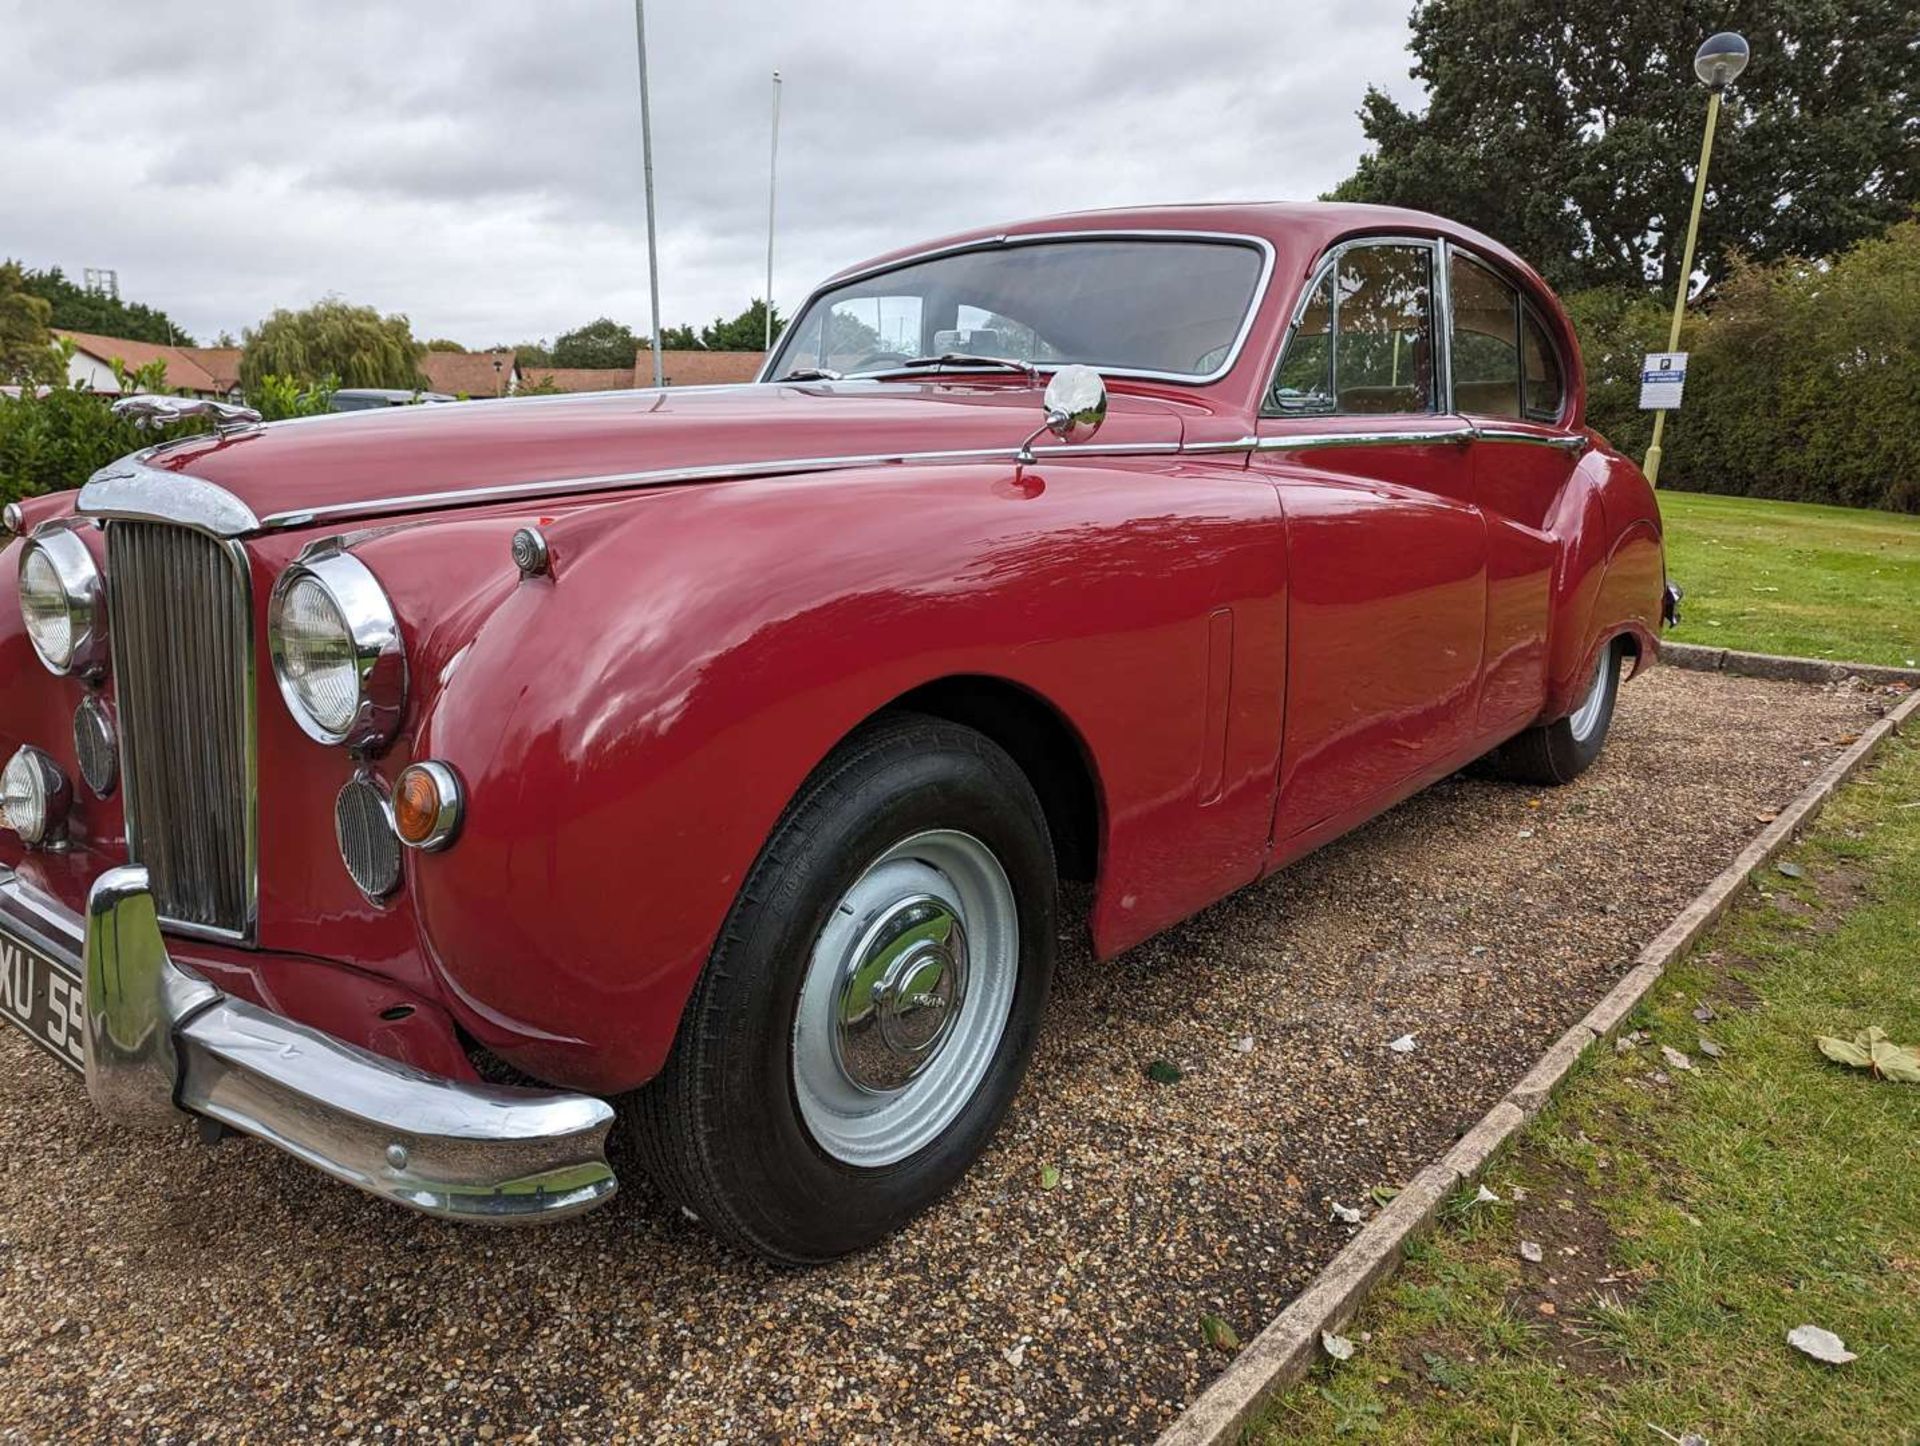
(394, 786)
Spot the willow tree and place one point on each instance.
(354, 345)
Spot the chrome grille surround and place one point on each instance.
(180, 603)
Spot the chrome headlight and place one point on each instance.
(34, 797)
(63, 603)
(337, 651)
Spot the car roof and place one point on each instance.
(1299, 231)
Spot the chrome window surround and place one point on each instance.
(380, 655)
(249, 691)
(1004, 241)
(1435, 248)
(85, 594)
(1442, 248)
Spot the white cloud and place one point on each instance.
(478, 167)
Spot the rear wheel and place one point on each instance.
(869, 1010)
(1560, 751)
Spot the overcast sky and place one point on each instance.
(477, 167)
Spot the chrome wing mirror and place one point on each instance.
(1075, 405)
(157, 411)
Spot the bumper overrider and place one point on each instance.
(159, 1041)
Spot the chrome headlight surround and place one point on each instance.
(57, 569)
(368, 637)
(35, 797)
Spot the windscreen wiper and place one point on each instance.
(810, 374)
(960, 359)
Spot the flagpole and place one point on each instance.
(773, 167)
(646, 165)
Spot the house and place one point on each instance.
(471, 374)
(698, 368)
(201, 371)
(577, 379)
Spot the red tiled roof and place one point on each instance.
(468, 373)
(183, 371)
(580, 379)
(698, 368)
(222, 363)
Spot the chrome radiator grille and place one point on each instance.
(181, 620)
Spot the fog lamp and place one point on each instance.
(426, 806)
(34, 797)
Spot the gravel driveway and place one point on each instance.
(169, 1291)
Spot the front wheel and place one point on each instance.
(870, 1007)
(1560, 751)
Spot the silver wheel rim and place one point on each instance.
(1586, 717)
(906, 997)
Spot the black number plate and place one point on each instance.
(43, 999)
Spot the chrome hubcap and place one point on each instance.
(905, 999)
(1587, 715)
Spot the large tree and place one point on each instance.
(1571, 131)
(601, 343)
(745, 332)
(27, 354)
(74, 308)
(354, 345)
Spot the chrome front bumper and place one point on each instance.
(159, 1040)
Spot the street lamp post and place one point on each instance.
(1718, 62)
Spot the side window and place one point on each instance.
(1541, 372)
(1486, 341)
(1364, 344)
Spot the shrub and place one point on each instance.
(1804, 378)
(55, 441)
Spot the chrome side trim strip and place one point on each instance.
(720, 471)
(1315, 441)
(130, 488)
(1564, 442)
(1041, 238)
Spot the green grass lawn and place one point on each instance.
(1789, 577)
(1686, 1226)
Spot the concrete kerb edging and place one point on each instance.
(1284, 1351)
(1780, 669)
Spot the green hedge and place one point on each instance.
(53, 442)
(1803, 382)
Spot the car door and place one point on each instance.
(1386, 550)
(1508, 382)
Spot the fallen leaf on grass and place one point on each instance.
(1821, 1344)
(1705, 1013)
(1674, 1058)
(1530, 1251)
(1791, 870)
(1339, 1347)
(1871, 1050)
(1382, 1194)
(1486, 1197)
(1220, 1335)
(1710, 1049)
